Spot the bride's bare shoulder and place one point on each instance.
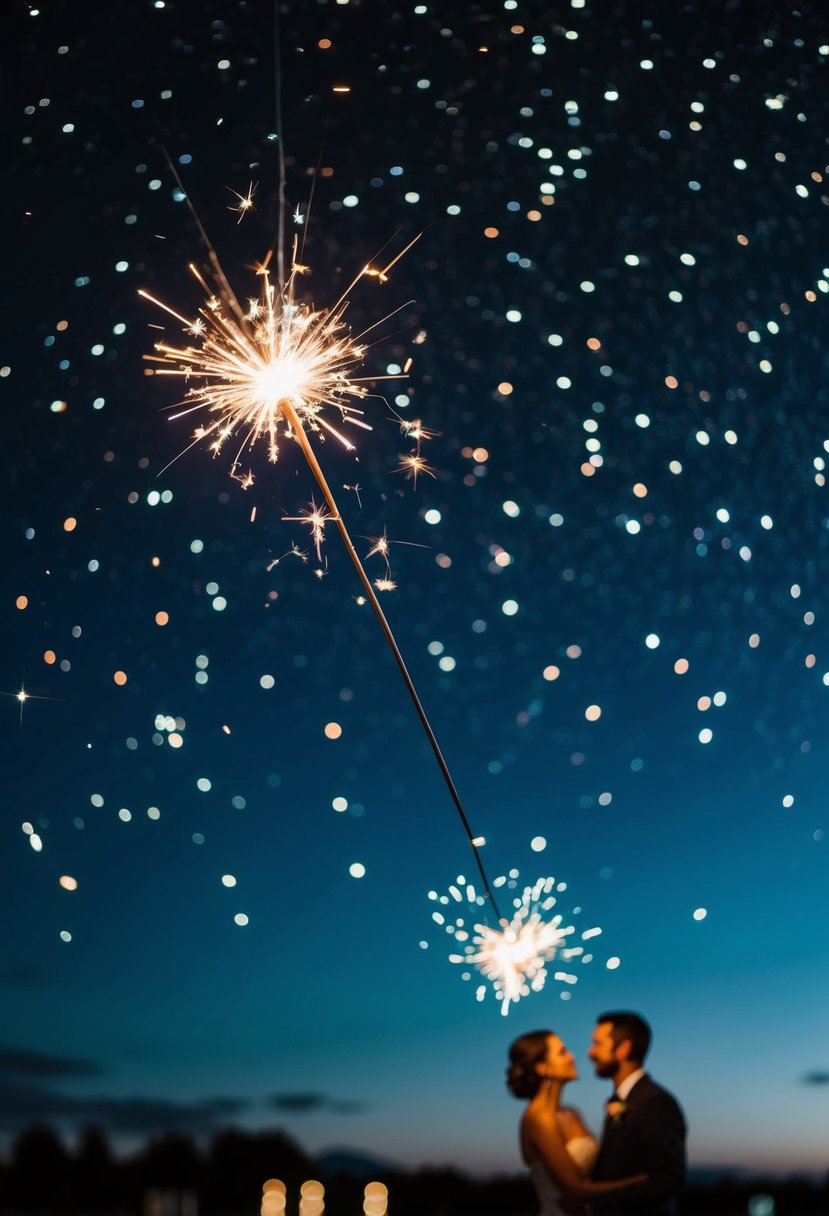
(572, 1122)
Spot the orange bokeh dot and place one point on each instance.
(161, 618)
(70, 524)
(120, 677)
(22, 602)
(593, 713)
(587, 469)
(551, 672)
(480, 455)
(681, 666)
(505, 388)
(49, 656)
(594, 343)
(333, 730)
(324, 44)
(534, 216)
(671, 382)
(640, 489)
(491, 233)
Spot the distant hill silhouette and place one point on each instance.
(348, 1163)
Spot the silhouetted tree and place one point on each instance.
(40, 1170)
(170, 1162)
(95, 1174)
(238, 1163)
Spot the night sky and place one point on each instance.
(609, 594)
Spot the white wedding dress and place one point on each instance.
(583, 1150)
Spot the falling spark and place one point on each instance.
(244, 203)
(23, 696)
(294, 551)
(413, 465)
(513, 956)
(413, 428)
(380, 545)
(316, 518)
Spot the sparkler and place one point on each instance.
(278, 369)
(513, 958)
(265, 371)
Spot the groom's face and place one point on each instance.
(603, 1051)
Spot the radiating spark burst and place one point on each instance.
(244, 202)
(246, 365)
(413, 465)
(512, 957)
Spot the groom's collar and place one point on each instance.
(624, 1088)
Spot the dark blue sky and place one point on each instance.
(616, 315)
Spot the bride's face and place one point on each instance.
(559, 1063)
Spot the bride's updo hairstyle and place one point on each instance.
(530, 1049)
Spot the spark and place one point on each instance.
(413, 428)
(245, 480)
(298, 217)
(513, 956)
(413, 465)
(316, 518)
(22, 696)
(294, 551)
(380, 545)
(245, 202)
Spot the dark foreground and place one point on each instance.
(43, 1176)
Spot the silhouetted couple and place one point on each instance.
(638, 1166)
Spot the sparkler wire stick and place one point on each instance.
(280, 148)
(310, 456)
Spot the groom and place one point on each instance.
(644, 1129)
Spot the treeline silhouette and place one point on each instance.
(43, 1176)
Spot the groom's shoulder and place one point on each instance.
(648, 1090)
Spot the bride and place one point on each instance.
(555, 1143)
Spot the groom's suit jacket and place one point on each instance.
(647, 1138)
